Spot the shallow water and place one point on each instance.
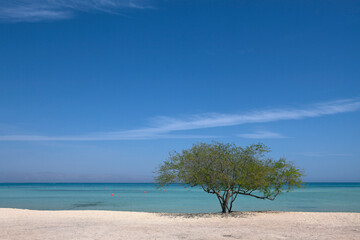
(315, 197)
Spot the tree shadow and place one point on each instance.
(234, 214)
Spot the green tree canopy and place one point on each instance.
(227, 170)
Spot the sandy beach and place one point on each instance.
(31, 224)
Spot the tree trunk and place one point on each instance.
(224, 202)
(233, 198)
(223, 208)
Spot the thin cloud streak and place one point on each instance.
(39, 10)
(261, 135)
(221, 120)
(99, 137)
(163, 127)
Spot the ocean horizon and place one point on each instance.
(175, 198)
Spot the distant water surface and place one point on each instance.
(315, 197)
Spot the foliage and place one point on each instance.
(227, 170)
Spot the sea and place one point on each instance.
(148, 197)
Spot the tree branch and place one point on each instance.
(261, 197)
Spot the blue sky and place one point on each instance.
(102, 91)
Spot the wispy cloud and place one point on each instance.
(165, 127)
(38, 10)
(110, 136)
(261, 135)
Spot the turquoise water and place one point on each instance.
(315, 197)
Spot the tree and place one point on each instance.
(227, 171)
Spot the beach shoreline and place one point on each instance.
(99, 224)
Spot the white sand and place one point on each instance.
(30, 224)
